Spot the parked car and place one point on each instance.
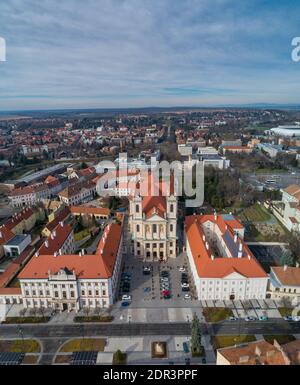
(250, 319)
(165, 292)
(184, 284)
(263, 318)
(185, 347)
(288, 318)
(187, 296)
(124, 304)
(233, 318)
(296, 319)
(182, 269)
(164, 279)
(126, 297)
(185, 288)
(146, 270)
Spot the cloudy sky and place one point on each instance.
(132, 53)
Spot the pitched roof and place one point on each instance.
(89, 210)
(96, 266)
(289, 276)
(292, 189)
(220, 267)
(57, 238)
(254, 353)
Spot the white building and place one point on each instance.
(72, 282)
(285, 283)
(15, 246)
(222, 265)
(29, 195)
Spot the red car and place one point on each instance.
(166, 293)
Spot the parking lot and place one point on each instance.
(158, 287)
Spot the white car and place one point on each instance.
(296, 319)
(164, 279)
(185, 285)
(187, 296)
(126, 297)
(233, 318)
(182, 269)
(250, 319)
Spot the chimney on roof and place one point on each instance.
(82, 251)
(0, 234)
(297, 264)
(52, 236)
(249, 257)
(243, 359)
(54, 233)
(212, 257)
(55, 254)
(80, 254)
(46, 243)
(215, 215)
(285, 267)
(240, 253)
(203, 237)
(257, 351)
(61, 223)
(235, 237)
(36, 254)
(206, 245)
(59, 252)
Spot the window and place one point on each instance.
(171, 228)
(138, 228)
(82, 292)
(103, 292)
(154, 228)
(137, 208)
(56, 294)
(27, 292)
(172, 208)
(72, 294)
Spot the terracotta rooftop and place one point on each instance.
(289, 276)
(220, 267)
(254, 353)
(99, 265)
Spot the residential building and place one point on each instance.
(222, 265)
(29, 195)
(78, 193)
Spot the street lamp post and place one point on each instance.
(22, 336)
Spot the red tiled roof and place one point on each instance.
(99, 265)
(90, 210)
(56, 241)
(222, 266)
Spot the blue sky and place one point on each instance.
(133, 53)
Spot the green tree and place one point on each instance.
(196, 335)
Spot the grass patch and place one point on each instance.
(94, 318)
(18, 346)
(216, 314)
(255, 213)
(281, 339)
(226, 341)
(84, 345)
(26, 320)
(285, 311)
(81, 235)
(119, 358)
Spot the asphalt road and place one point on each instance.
(271, 327)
